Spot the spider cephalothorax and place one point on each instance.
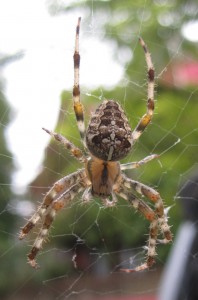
(103, 176)
(107, 139)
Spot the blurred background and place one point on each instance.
(36, 77)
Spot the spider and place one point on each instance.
(108, 139)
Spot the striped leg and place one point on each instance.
(145, 120)
(78, 106)
(155, 197)
(75, 151)
(150, 215)
(63, 184)
(137, 164)
(49, 217)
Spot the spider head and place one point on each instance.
(108, 135)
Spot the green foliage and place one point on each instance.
(6, 162)
(7, 220)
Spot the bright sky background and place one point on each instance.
(34, 83)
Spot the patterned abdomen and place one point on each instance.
(108, 134)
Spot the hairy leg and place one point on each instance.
(150, 215)
(49, 217)
(155, 197)
(137, 164)
(146, 119)
(75, 151)
(63, 184)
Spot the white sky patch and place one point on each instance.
(34, 83)
(190, 31)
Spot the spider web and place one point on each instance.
(84, 254)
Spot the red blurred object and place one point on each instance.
(181, 74)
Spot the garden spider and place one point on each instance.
(107, 139)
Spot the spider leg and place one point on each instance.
(63, 184)
(145, 120)
(49, 217)
(78, 106)
(137, 164)
(75, 151)
(150, 215)
(155, 197)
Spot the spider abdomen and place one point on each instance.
(108, 134)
